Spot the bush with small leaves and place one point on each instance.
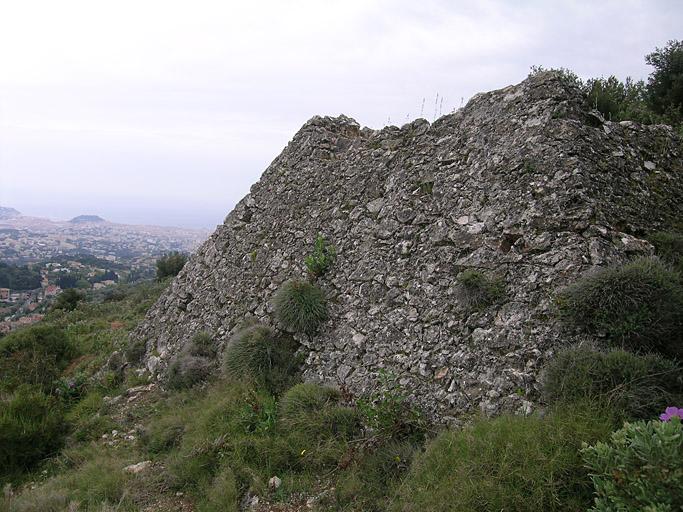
(170, 265)
(31, 428)
(321, 259)
(637, 305)
(256, 353)
(639, 468)
(477, 290)
(389, 414)
(68, 299)
(300, 306)
(636, 386)
(34, 355)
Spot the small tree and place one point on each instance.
(170, 264)
(665, 85)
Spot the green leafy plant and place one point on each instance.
(389, 414)
(69, 299)
(322, 257)
(636, 386)
(638, 305)
(639, 468)
(256, 353)
(477, 290)
(300, 306)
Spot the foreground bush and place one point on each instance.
(509, 463)
(300, 306)
(31, 428)
(637, 386)
(35, 355)
(256, 353)
(639, 305)
(222, 496)
(639, 468)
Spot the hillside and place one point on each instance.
(80, 219)
(524, 186)
(481, 314)
(8, 213)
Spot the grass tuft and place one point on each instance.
(300, 306)
(637, 305)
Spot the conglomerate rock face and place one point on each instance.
(522, 184)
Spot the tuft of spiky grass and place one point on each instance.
(300, 306)
(477, 290)
(507, 463)
(315, 411)
(669, 247)
(635, 386)
(637, 305)
(256, 353)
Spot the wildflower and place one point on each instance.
(671, 412)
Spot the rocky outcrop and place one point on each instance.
(523, 184)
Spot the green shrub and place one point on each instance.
(477, 290)
(256, 353)
(321, 259)
(223, 495)
(638, 304)
(315, 411)
(170, 265)
(300, 306)
(508, 463)
(69, 299)
(31, 428)
(639, 468)
(388, 413)
(637, 386)
(669, 247)
(35, 355)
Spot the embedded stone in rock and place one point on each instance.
(503, 186)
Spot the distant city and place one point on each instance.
(39, 258)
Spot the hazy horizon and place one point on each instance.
(165, 113)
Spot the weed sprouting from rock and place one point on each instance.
(320, 260)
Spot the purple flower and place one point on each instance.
(671, 412)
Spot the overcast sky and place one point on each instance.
(165, 112)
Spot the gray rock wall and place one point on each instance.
(523, 184)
